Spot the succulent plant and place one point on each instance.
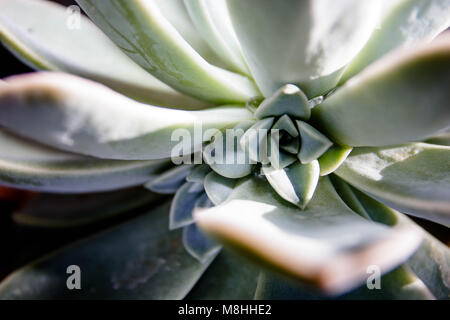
(339, 110)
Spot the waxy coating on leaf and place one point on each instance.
(302, 71)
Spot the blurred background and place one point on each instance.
(21, 243)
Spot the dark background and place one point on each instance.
(20, 245)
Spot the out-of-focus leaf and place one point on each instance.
(401, 98)
(28, 28)
(306, 43)
(27, 165)
(218, 188)
(316, 244)
(64, 211)
(139, 259)
(412, 178)
(140, 29)
(227, 278)
(81, 116)
(198, 244)
(183, 204)
(169, 181)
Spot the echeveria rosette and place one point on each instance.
(360, 127)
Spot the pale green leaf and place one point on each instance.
(27, 165)
(406, 23)
(333, 158)
(183, 204)
(306, 43)
(46, 36)
(295, 183)
(401, 98)
(81, 116)
(142, 31)
(169, 181)
(213, 22)
(218, 188)
(316, 244)
(314, 143)
(412, 178)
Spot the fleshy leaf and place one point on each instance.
(140, 29)
(27, 165)
(183, 204)
(81, 116)
(314, 143)
(153, 264)
(213, 22)
(169, 181)
(406, 23)
(401, 98)
(412, 178)
(430, 262)
(295, 183)
(316, 244)
(227, 278)
(218, 188)
(333, 158)
(306, 43)
(27, 28)
(200, 246)
(255, 140)
(288, 100)
(198, 173)
(65, 211)
(285, 123)
(225, 156)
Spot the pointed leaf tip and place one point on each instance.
(289, 100)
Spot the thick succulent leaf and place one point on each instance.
(225, 156)
(306, 43)
(333, 158)
(295, 183)
(82, 116)
(401, 98)
(285, 123)
(27, 28)
(153, 264)
(169, 181)
(288, 100)
(227, 278)
(178, 16)
(316, 244)
(214, 24)
(255, 140)
(63, 211)
(430, 262)
(183, 204)
(398, 284)
(198, 173)
(218, 188)
(412, 178)
(199, 245)
(27, 165)
(314, 143)
(406, 23)
(140, 29)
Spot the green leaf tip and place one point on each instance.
(288, 100)
(314, 143)
(295, 183)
